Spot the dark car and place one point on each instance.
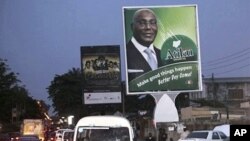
(29, 138)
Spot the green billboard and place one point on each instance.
(171, 33)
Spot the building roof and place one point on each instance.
(227, 80)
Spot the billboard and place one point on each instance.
(170, 33)
(101, 74)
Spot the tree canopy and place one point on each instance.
(15, 102)
(65, 93)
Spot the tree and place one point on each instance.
(8, 82)
(14, 99)
(8, 79)
(65, 91)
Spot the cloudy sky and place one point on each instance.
(42, 38)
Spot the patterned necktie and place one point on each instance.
(151, 59)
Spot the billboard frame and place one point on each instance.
(102, 80)
(196, 64)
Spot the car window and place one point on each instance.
(202, 135)
(222, 135)
(215, 135)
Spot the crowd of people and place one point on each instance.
(101, 68)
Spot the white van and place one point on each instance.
(103, 128)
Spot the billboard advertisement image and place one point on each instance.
(101, 74)
(162, 50)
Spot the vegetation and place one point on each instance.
(15, 102)
(65, 93)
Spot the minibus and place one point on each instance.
(103, 128)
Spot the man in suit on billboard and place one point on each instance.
(140, 49)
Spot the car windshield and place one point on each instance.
(202, 135)
(102, 134)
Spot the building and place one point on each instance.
(224, 89)
(232, 93)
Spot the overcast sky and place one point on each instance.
(42, 38)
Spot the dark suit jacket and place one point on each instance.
(136, 61)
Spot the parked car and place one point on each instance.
(205, 135)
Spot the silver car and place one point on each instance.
(206, 135)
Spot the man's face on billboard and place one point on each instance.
(144, 26)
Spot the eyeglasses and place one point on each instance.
(144, 23)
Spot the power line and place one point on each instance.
(234, 69)
(222, 66)
(228, 63)
(232, 56)
(225, 59)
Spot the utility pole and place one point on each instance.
(123, 93)
(213, 90)
(227, 110)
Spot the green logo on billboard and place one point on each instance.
(178, 48)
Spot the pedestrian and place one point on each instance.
(163, 136)
(150, 137)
